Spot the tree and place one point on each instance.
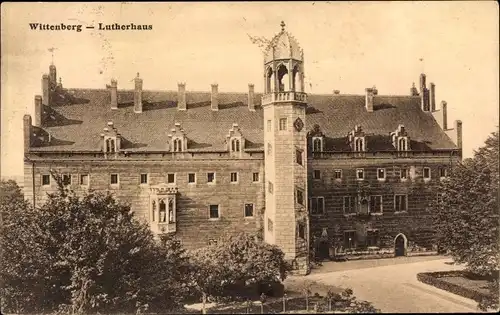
(236, 268)
(88, 253)
(466, 216)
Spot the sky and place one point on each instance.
(348, 46)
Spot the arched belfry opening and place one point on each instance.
(283, 79)
(269, 80)
(296, 86)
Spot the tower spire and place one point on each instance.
(282, 26)
(51, 49)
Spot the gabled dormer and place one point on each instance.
(111, 140)
(400, 139)
(235, 141)
(317, 139)
(357, 139)
(177, 139)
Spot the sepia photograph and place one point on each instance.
(249, 157)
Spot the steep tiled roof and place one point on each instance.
(77, 126)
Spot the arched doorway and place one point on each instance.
(400, 244)
(323, 251)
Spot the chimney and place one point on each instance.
(422, 82)
(38, 111)
(369, 99)
(432, 97)
(181, 96)
(444, 115)
(458, 130)
(214, 98)
(45, 90)
(53, 75)
(114, 94)
(138, 94)
(424, 94)
(251, 90)
(27, 133)
(413, 90)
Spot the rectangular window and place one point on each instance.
(317, 205)
(427, 173)
(213, 212)
(350, 239)
(443, 172)
(338, 174)
(400, 203)
(113, 179)
(66, 179)
(270, 187)
(248, 210)
(300, 197)
(372, 238)
(45, 180)
(255, 177)
(144, 179)
(170, 178)
(298, 157)
(282, 123)
(84, 179)
(270, 226)
(192, 178)
(211, 177)
(234, 177)
(381, 173)
(375, 204)
(317, 174)
(269, 125)
(360, 174)
(302, 231)
(349, 205)
(404, 174)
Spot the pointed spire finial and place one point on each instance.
(282, 25)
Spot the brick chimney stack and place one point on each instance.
(444, 115)
(251, 97)
(181, 96)
(458, 130)
(53, 75)
(45, 90)
(369, 99)
(424, 94)
(138, 94)
(38, 111)
(114, 93)
(27, 132)
(432, 97)
(215, 97)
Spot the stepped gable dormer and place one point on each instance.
(316, 138)
(111, 139)
(235, 140)
(178, 140)
(400, 139)
(357, 139)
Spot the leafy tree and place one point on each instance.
(466, 216)
(235, 266)
(88, 254)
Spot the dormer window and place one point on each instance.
(235, 145)
(235, 140)
(178, 139)
(316, 139)
(357, 140)
(111, 139)
(317, 144)
(400, 139)
(359, 144)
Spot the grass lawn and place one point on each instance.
(476, 285)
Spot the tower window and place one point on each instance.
(214, 212)
(300, 197)
(210, 177)
(45, 180)
(163, 211)
(171, 178)
(248, 210)
(400, 203)
(114, 179)
(302, 230)
(269, 149)
(283, 122)
(269, 125)
(298, 157)
(234, 177)
(316, 174)
(255, 177)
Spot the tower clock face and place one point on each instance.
(298, 124)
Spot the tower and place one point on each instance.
(284, 102)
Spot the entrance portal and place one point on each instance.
(400, 245)
(323, 250)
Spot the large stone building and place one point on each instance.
(305, 171)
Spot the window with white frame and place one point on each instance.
(375, 204)
(349, 205)
(337, 174)
(360, 174)
(381, 173)
(234, 177)
(400, 203)
(427, 173)
(359, 144)
(171, 178)
(443, 172)
(317, 205)
(235, 145)
(213, 212)
(45, 180)
(191, 178)
(283, 122)
(177, 145)
(210, 177)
